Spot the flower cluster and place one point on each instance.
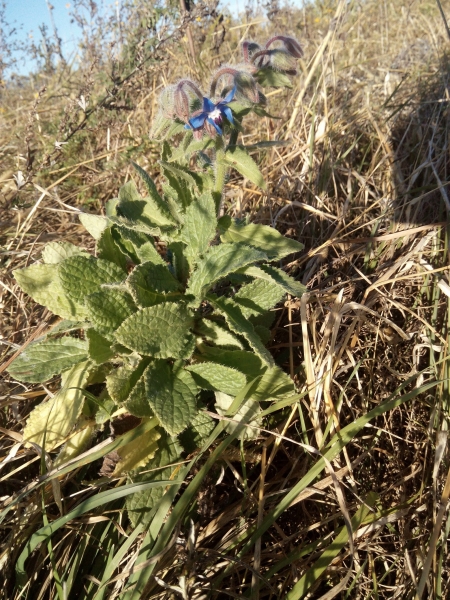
(208, 115)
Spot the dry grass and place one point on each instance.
(363, 184)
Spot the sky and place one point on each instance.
(27, 15)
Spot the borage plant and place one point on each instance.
(168, 322)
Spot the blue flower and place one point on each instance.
(212, 114)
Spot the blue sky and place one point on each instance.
(27, 15)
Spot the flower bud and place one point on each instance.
(246, 86)
(291, 45)
(166, 102)
(281, 60)
(248, 49)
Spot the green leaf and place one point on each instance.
(54, 419)
(198, 431)
(137, 402)
(94, 224)
(272, 274)
(146, 211)
(249, 411)
(139, 505)
(248, 363)
(122, 380)
(275, 384)
(218, 334)
(56, 252)
(163, 206)
(219, 262)
(180, 264)
(42, 360)
(108, 308)
(171, 393)
(107, 249)
(258, 297)
(199, 225)
(275, 245)
(193, 146)
(216, 377)
(81, 276)
(239, 159)
(139, 246)
(43, 284)
(161, 331)
(99, 347)
(181, 172)
(240, 325)
(267, 77)
(152, 284)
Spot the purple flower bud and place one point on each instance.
(291, 45)
(248, 49)
(281, 60)
(246, 86)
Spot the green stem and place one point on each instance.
(221, 172)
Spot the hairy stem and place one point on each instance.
(221, 172)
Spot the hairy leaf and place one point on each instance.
(109, 307)
(248, 363)
(268, 239)
(94, 224)
(54, 419)
(147, 211)
(140, 504)
(42, 360)
(219, 262)
(199, 225)
(152, 284)
(240, 325)
(239, 159)
(171, 393)
(139, 246)
(81, 276)
(258, 297)
(109, 250)
(122, 380)
(99, 347)
(137, 402)
(274, 385)
(216, 377)
(272, 274)
(249, 410)
(161, 331)
(43, 284)
(198, 431)
(56, 252)
(218, 334)
(163, 206)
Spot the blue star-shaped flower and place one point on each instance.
(213, 113)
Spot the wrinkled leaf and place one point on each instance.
(216, 377)
(161, 331)
(171, 393)
(55, 418)
(267, 239)
(42, 360)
